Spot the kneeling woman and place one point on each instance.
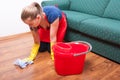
(48, 26)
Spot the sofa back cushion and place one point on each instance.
(113, 10)
(95, 7)
(62, 4)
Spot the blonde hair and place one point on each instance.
(31, 11)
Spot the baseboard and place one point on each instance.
(14, 36)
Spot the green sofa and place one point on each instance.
(94, 21)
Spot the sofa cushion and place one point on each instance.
(113, 10)
(74, 18)
(95, 7)
(103, 28)
(62, 4)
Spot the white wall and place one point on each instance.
(10, 21)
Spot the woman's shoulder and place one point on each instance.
(52, 13)
(51, 9)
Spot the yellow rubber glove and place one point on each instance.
(52, 53)
(24, 62)
(33, 53)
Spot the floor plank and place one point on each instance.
(19, 46)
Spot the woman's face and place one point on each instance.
(33, 22)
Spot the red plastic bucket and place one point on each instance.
(69, 57)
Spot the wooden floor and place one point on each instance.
(19, 46)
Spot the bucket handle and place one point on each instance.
(90, 48)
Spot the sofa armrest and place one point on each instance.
(62, 4)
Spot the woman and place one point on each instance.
(48, 26)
